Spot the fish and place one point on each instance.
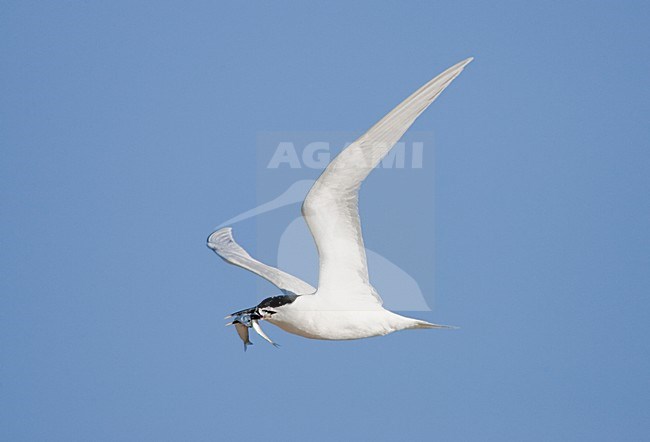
(260, 332)
(242, 331)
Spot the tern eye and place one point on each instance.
(268, 312)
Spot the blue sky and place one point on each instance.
(129, 130)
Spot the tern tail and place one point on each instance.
(425, 324)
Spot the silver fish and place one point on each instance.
(242, 331)
(259, 331)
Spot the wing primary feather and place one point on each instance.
(331, 207)
(223, 244)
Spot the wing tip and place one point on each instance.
(219, 236)
(465, 62)
(458, 67)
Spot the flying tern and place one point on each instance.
(344, 305)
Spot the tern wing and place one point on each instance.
(331, 207)
(224, 245)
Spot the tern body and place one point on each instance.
(345, 305)
(342, 324)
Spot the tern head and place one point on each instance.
(250, 317)
(245, 319)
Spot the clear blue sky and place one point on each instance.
(128, 131)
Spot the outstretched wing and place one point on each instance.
(225, 246)
(331, 207)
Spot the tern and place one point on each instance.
(345, 305)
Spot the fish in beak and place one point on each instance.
(246, 319)
(260, 332)
(242, 331)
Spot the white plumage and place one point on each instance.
(345, 305)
